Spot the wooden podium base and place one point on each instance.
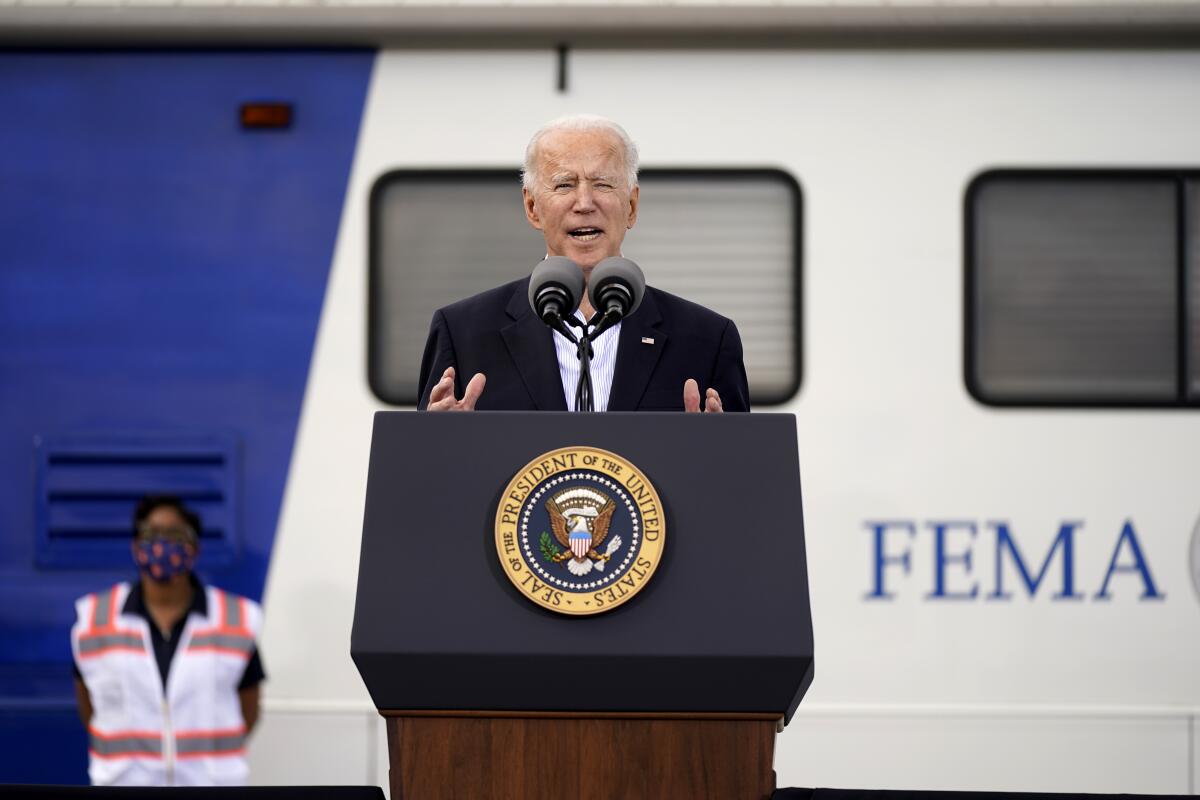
(493, 755)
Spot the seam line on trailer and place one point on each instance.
(372, 750)
(1191, 754)
(1185, 712)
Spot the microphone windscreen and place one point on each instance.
(557, 271)
(617, 270)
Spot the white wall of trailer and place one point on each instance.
(1026, 694)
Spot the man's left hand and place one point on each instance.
(691, 398)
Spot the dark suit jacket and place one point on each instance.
(497, 333)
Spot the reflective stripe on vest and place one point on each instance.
(242, 645)
(135, 744)
(103, 634)
(148, 744)
(231, 636)
(194, 744)
(121, 640)
(102, 610)
(233, 612)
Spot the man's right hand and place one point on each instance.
(442, 396)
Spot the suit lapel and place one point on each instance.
(532, 349)
(636, 358)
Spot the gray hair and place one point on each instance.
(580, 122)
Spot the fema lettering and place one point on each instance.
(985, 562)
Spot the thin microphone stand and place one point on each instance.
(584, 393)
(584, 400)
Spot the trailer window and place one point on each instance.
(1075, 289)
(727, 239)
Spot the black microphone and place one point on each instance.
(555, 289)
(616, 288)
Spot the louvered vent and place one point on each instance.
(87, 488)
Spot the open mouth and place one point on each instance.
(585, 234)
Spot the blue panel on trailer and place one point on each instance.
(43, 744)
(163, 272)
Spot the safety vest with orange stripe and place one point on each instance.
(191, 733)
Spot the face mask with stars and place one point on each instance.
(162, 559)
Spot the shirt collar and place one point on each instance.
(135, 603)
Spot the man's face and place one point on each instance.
(582, 202)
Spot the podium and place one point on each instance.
(678, 691)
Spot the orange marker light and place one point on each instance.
(266, 115)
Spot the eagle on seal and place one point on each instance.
(581, 528)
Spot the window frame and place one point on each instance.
(1179, 177)
(374, 299)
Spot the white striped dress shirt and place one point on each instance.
(604, 363)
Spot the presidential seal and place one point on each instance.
(579, 530)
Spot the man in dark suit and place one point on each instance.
(580, 190)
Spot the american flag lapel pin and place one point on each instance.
(647, 340)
